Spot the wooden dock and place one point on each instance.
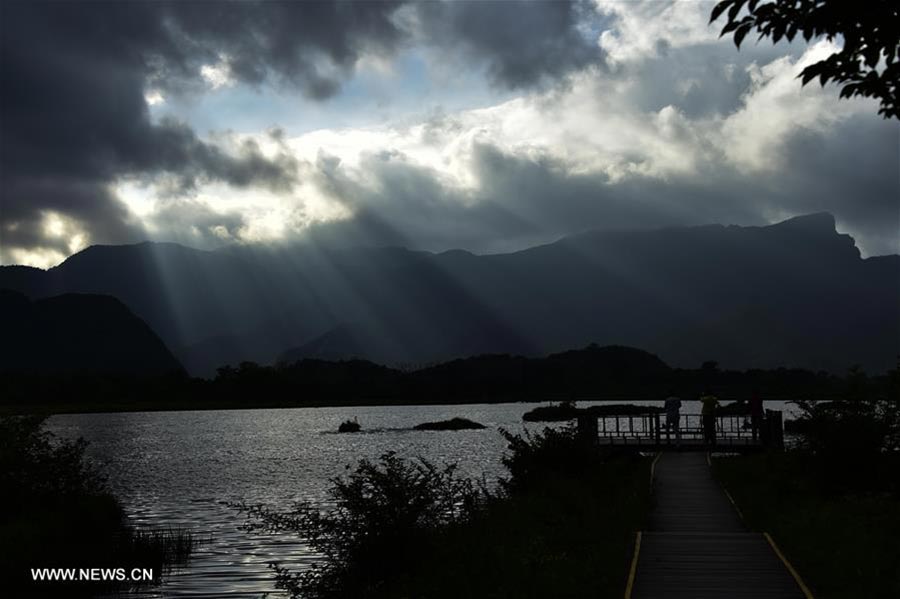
(696, 545)
(643, 430)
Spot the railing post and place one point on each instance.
(668, 432)
(656, 424)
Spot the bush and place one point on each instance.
(536, 458)
(56, 512)
(560, 412)
(383, 515)
(856, 437)
(35, 472)
(562, 525)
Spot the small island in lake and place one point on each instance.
(349, 426)
(454, 424)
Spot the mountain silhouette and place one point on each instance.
(796, 293)
(340, 343)
(78, 333)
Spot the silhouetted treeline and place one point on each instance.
(591, 373)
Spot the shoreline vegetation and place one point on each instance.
(611, 373)
(833, 502)
(843, 543)
(561, 524)
(56, 512)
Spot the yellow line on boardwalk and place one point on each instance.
(653, 466)
(728, 495)
(637, 538)
(806, 592)
(634, 561)
(734, 505)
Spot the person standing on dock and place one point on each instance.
(756, 413)
(673, 416)
(710, 403)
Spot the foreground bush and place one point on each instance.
(560, 525)
(56, 512)
(382, 516)
(534, 460)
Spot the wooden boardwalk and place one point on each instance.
(697, 546)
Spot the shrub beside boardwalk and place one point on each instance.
(833, 503)
(845, 544)
(560, 525)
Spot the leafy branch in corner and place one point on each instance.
(867, 65)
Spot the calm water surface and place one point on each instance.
(179, 469)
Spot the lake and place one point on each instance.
(179, 469)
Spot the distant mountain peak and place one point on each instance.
(818, 221)
(148, 248)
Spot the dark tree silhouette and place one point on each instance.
(868, 64)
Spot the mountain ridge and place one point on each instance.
(821, 221)
(796, 293)
(78, 333)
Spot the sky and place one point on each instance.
(486, 126)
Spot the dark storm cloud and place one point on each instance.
(699, 80)
(522, 201)
(73, 78)
(311, 46)
(180, 152)
(72, 84)
(519, 201)
(197, 224)
(26, 200)
(522, 43)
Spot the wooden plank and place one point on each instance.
(697, 546)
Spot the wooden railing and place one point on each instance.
(649, 429)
